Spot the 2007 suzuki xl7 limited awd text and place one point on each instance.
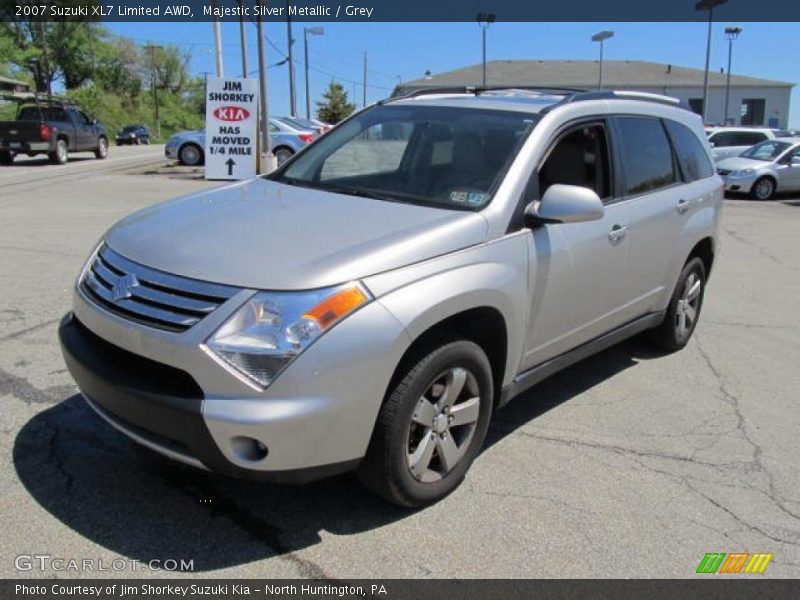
(369, 305)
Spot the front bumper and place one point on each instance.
(171, 152)
(740, 184)
(163, 390)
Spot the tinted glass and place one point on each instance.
(646, 155)
(449, 157)
(579, 158)
(51, 113)
(692, 156)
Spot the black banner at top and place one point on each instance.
(401, 10)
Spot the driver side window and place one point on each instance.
(580, 157)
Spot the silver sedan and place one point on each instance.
(188, 147)
(764, 169)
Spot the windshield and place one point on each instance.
(298, 123)
(131, 129)
(441, 156)
(769, 150)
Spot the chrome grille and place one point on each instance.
(148, 296)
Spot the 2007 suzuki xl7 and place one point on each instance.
(367, 306)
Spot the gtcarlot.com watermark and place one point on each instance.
(47, 562)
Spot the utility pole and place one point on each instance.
(262, 74)
(218, 42)
(154, 84)
(365, 79)
(306, 32)
(484, 21)
(243, 40)
(290, 56)
(46, 62)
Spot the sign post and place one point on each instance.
(231, 128)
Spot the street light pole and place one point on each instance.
(243, 41)
(601, 37)
(218, 43)
(731, 33)
(484, 21)
(306, 32)
(290, 56)
(709, 6)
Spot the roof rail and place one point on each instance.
(625, 95)
(477, 90)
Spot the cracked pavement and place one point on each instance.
(630, 464)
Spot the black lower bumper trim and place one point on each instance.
(157, 402)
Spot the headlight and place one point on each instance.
(272, 328)
(743, 172)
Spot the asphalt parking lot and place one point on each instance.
(629, 464)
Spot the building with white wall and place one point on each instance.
(753, 101)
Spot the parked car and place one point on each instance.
(732, 141)
(305, 125)
(188, 147)
(764, 169)
(133, 134)
(54, 128)
(370, 304)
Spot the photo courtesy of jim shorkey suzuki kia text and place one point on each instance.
(123, 590)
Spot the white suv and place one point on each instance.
(369, 305)
(727, 142)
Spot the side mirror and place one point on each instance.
(565, 204)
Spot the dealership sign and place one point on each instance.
(231, 128)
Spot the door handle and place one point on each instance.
(617, 232)
(683, 205)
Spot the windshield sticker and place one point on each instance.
(470, 198)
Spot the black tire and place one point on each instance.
(119, 143)
(282, 154)
(763, 189)
(385, 469)
(6, 158)
(190, 155)
(138, 141)
(60, 155)
(669, 335)
(101, 152)
(146, 141)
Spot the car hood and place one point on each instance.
(738, 163)
(266, 235)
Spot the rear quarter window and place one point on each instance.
(646, 155)
(692, 156)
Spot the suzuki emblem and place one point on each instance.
(123, 288)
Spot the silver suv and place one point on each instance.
(370, 304)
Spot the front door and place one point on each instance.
(579, 278)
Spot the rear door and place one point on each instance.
(579, 278)
(667, 176)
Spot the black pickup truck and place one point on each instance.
(52, 129)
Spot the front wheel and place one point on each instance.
(431, 426)
(684, 307)
(101, 151)
(6, 158)
(763, 189)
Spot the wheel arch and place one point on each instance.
(704, 250)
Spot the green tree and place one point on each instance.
(335, 107)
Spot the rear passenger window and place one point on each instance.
(646, 155)
(692, 157)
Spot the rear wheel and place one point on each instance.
(283, 154)
(683, 311)
(60, 155)
(763, 189)
(190, 155)
(101, 151)
(6, 158)
(431, 425)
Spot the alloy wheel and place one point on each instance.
(688, 306)
(764, 189)
(443, 425)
